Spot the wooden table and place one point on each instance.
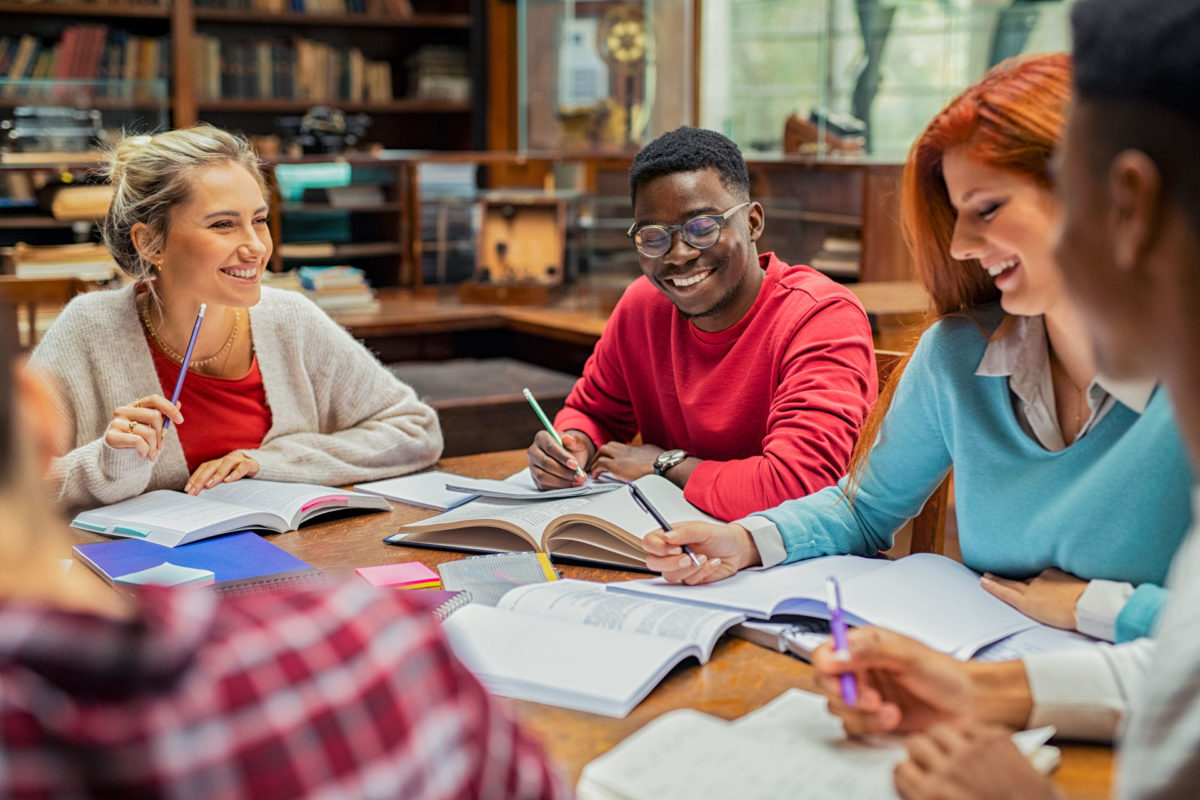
(739, 678)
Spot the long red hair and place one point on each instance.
(1011, 119)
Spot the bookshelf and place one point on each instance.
(423, 58)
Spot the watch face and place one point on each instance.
(668, 459)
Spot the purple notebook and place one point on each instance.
(239, 562)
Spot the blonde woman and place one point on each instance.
(275, 389)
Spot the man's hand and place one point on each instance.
(721, 550)
(1048, 598)
(553, 467)
(902, 684)
(626, 461)
(974, 763)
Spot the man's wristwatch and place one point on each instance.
(667, 460)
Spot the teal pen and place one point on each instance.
(537, 409)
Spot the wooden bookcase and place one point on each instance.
(404, 122)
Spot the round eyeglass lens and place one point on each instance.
(702, 232)
(653, 241)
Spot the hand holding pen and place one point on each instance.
(141, 425)
(644, 502)
(549, 469)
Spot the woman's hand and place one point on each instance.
(1049, 598)
(232, 467)
(139, 425)
(721, 550)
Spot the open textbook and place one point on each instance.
(791, 747)
(931, 598)
(604, 528)
(570, 643)
(174, 518)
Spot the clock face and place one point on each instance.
(621, 38)
(626, 40)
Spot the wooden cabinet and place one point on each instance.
(811, 205)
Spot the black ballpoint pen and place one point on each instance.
(644, 502)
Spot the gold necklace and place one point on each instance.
(1080, 395)
(176, 357)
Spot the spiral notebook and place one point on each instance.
(441, 602)
(240, 562)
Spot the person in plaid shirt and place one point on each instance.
(338, 692)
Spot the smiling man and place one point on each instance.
(747, 378)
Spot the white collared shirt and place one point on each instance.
(1023, 355)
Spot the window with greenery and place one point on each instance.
(890, 64)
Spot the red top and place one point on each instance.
(773, 404)
(220, 415)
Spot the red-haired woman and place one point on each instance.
(1071, 490)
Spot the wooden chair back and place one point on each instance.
(26, 294)
(929, 526)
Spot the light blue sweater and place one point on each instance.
(1114, 505)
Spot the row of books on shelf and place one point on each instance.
(394, 9)
(839, 257)
(84, 52)
(143, 3)
(300, 69)
(89, 261)
(336, 289)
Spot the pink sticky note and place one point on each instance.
(400, 575)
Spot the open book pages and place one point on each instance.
(603, 528)
(1038, 639)
(929, 597)
(174, 518)
(792, 747)
(570, 643)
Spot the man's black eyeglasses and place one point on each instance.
(700, 232)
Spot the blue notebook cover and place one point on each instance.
(238, 561)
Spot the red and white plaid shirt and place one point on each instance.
(336, 693)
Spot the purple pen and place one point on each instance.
(187, 359)
(837, 626)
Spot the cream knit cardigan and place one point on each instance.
(337, 416)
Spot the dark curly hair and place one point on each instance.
(688, 150)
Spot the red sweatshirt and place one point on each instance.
(773, 405)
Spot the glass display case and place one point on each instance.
(602, 77)
(855, 77)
